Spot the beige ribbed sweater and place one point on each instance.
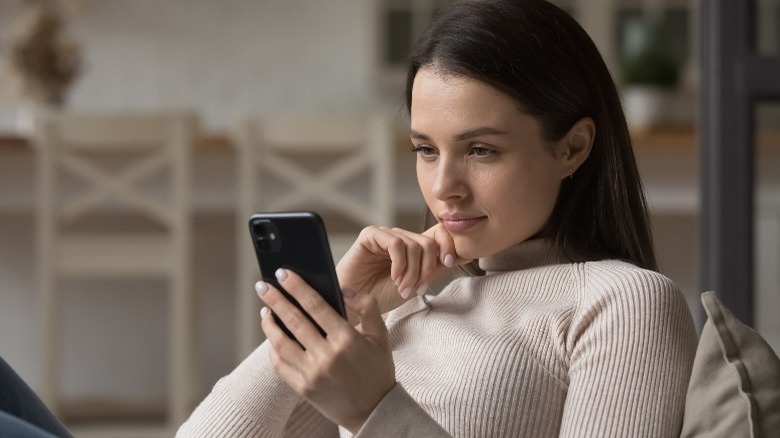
(537, 347)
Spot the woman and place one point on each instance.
(525, 162)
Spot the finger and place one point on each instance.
(428, 263)
(371, 322)
(284, 354)
(292, 317)
(412, 256)
(311, 301)
(448, 255)
(421, 262)
(382, 240)
(395, 246)
(411, 274)
(285, 348)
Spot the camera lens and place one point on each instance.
(263, 244)
(260, 228)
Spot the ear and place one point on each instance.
(573, 149)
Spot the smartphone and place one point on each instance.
(297, 241)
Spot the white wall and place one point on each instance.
(221, 56)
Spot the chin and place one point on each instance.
(468, 249)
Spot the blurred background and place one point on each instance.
(223, 61)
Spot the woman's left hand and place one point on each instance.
(344, 375)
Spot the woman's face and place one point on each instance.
(484, 170)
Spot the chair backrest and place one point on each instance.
(338, 164)
(134, 163)
(114, 202)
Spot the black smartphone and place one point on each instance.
(297, 241)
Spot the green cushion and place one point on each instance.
(734, 389)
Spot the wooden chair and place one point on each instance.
(119, 165)
(338, 164)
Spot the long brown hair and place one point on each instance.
(539, 55)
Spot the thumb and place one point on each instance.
(366, 308)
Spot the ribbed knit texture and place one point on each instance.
(537, 347)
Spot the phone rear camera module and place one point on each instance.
(266, 235)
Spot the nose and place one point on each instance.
(449, 183)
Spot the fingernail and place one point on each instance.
(397, 281)
(422, 289)
(263, 312)
(261, 287)
(406, 292)
(348, 293)
(281, 274)
(449, 260)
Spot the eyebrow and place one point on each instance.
(475, 132)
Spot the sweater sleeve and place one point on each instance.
(252, 401)
(398, 415)
(631, 346)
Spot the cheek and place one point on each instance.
(425, 179)
(524, 199)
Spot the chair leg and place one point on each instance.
(51, 357)
(250, 333)
(182, 361)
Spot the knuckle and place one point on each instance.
(397, 243)
(312, 304)
(294, 321)
(273, 297)
(340, 340)
(429, 244)
(287, 350)
(416, 249)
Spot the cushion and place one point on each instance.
(734, 389)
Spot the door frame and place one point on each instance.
(734, 79)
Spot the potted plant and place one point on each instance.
(650, 74)
(43, 62)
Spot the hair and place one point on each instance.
(539, 55)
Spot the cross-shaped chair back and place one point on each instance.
(114, 202)
(112, 157)
(336, 163)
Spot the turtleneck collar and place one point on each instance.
(528, 254)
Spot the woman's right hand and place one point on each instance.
(393, 264)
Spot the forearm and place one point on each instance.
(250, 401)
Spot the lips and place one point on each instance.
(456, 223)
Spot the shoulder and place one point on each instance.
(611, 279)
(636, 310)
(617, 290)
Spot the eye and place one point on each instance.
(481, 151)
(423, 150)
